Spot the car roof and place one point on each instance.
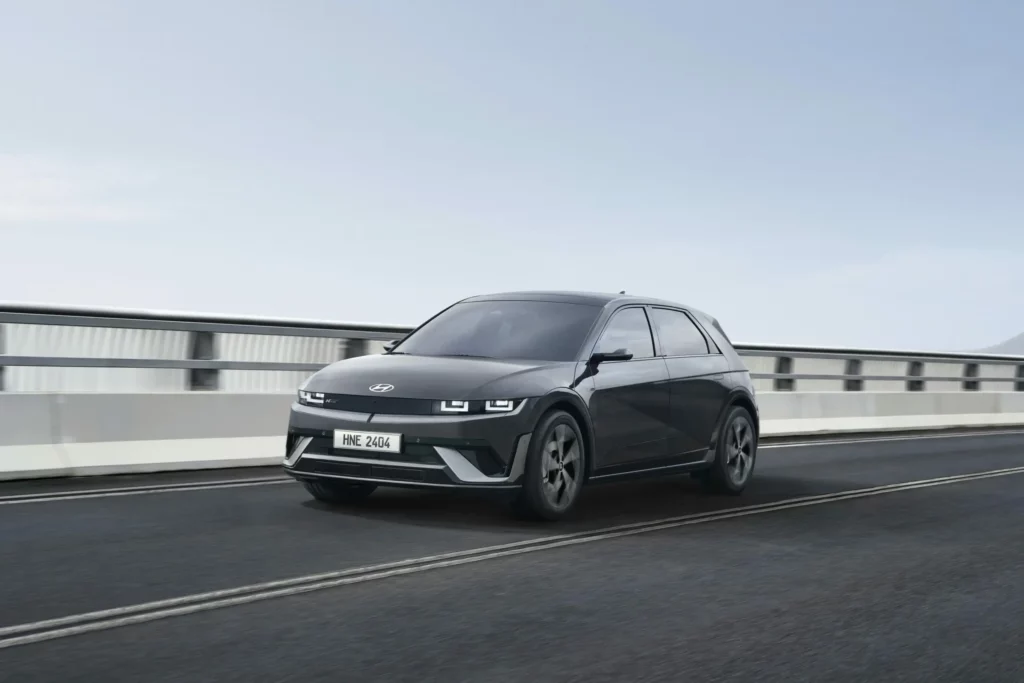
(588, 298)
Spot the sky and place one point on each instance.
(809, 172)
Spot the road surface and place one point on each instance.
(881, 560)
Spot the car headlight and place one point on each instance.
(478, 407)
(454, 406)
(310, 398)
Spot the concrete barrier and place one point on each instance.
(54, 435)
(849, 412)
(30, 438)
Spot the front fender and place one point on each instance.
(573, 403)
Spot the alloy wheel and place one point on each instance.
(739, 450)
(560, 467)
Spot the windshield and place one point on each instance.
(526, 330)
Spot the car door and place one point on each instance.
(630, 402)
(697, 380)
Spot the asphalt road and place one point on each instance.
(797, 580)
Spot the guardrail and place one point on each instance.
(95, 391)
(200, 352)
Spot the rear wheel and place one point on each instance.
(735, 453)
(554, 469)
(337, 493)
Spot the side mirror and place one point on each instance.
(604, 357)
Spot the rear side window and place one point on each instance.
(678, 335)
(628, 330)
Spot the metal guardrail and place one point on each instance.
(204, 366)
(40, 314)
(835, 352)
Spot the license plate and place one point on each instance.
(367, 441)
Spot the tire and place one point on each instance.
(555, 469)
(735, 454)
(339, 493)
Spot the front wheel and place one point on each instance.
(337, 493)
(735, 452)
(554, 471)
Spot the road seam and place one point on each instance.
(140, 490)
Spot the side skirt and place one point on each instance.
(653, 468)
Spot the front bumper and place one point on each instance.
(438, 451)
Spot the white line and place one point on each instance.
(139, 490)
(153, 611)
(882, 439)
(144, 489)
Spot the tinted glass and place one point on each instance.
(527, 330)
(677, 334)
(628, 330)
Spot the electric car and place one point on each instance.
(533, 395)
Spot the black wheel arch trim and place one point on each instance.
(578, 409)
(738, 396)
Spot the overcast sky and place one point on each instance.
(807, 171)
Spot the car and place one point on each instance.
(532, 395)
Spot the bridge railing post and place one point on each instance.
(203, 346)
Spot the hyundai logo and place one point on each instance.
(381, 388)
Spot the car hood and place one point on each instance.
(431, 377)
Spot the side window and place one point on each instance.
(628, 330)
(678, 335)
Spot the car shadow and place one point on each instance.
(599, 506)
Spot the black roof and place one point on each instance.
(589, 298)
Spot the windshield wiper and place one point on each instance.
(465, 355)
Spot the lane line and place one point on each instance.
(147, 489)
(140, 490)
(51, 629)
(884, 439)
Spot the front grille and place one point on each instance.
(368, 471)
(411, 452)
(405, 473)
(379, 404)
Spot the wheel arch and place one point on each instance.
(738, 397)
(572, 403)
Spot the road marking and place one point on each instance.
(140, 490)
(147, 489)
(839, 441)
(64, 627)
